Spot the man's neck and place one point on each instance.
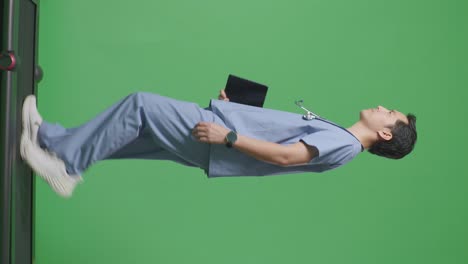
(362, 133)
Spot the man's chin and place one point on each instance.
(364, 114)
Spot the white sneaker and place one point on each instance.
(46, 164)
(49, 167)
(31, 118)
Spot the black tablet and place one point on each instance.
(243, 91)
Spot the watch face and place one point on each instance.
(232, 136)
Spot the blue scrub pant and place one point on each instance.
(142, 125)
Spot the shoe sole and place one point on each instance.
(26, 107)
(26, 133)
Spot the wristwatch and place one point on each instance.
(231, 137)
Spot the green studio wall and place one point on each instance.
(339, 56)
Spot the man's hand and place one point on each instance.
(222, 96)
(211, 133)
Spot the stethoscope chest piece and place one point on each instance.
(309, 115)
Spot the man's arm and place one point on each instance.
(273, 153)
(282, 155)
(300, 153)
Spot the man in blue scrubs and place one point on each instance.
(224, 139)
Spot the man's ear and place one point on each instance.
(385, 135)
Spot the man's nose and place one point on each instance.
(380, 108)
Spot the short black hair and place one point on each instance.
(402, 142)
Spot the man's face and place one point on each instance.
(380, 119)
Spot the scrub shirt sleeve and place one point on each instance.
(332, 147)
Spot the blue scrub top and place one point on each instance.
(335, 144)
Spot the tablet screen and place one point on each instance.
(243, 91)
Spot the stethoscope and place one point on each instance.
(309, 115)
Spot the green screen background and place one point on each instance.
(339, 56)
